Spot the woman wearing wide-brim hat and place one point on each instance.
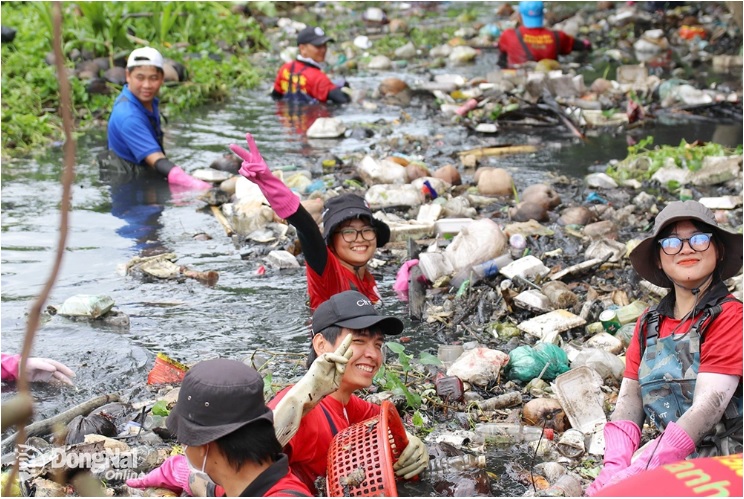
(336, 259)
(684, 363)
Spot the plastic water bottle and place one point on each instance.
(503, 433)
(456, 463)
(482, 270)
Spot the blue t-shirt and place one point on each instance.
(133, 130)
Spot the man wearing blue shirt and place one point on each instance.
(135, 138)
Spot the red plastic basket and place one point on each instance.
(361, 457)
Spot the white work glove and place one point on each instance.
(45, 370)
(413, 460)
(323, 377)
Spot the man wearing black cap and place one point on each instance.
(231, 445)
(347, 317)
(303, 80)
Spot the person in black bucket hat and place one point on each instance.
(348, 318)
(684, 362)
(337, 258)
(228, 431)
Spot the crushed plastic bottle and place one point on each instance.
(482, 270)
(464, 462)
(510, 433)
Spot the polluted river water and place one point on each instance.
(245, 312)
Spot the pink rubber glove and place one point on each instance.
(621, 440)
(673, 445)
(178, 177)
(173, 474)
(38, 369)
(255, 169)
(10, 366)
(402, 277)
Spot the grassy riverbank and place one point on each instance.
(211, 41)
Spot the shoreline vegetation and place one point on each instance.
(212, 41)
(218, 47)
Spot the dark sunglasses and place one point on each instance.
(673, 245)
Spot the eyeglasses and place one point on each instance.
(350, 235)
(673, 245)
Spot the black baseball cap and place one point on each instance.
(353, 310)
(313, 35)
(346, 207)
(206, 409)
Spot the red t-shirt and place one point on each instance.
(289, 485)
(308, 449)
(721, 351)
(303, 78)
(335, 279)
(540, 41)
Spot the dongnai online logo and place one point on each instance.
(110, 464)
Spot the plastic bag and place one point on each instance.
(526, 363)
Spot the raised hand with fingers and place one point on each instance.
(323, 378)
(255, 169)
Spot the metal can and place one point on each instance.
(609, 320)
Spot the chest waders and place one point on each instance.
(294, 90)
(667, 375)
(115, 169)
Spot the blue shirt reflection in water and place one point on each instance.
(139, 200)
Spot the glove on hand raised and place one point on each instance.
(673, 445)
(323, 378)
(413, 460)
(254, 168)
(621, 440)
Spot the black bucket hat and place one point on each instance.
(217, 397)
(644, 257)
(348, 206)
(353, 310)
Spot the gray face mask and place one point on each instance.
(199, 482)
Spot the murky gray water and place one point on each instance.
(244, 311)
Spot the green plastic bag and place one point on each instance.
(526, 363)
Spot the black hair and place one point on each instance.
(331, 334)
(253, 443)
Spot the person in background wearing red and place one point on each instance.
(684, 363)
(303, 80)
(37, 369)
(532, 42)
(336, 259)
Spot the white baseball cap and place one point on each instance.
(145, 56)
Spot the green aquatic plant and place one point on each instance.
(389, 379)
(643, 160)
